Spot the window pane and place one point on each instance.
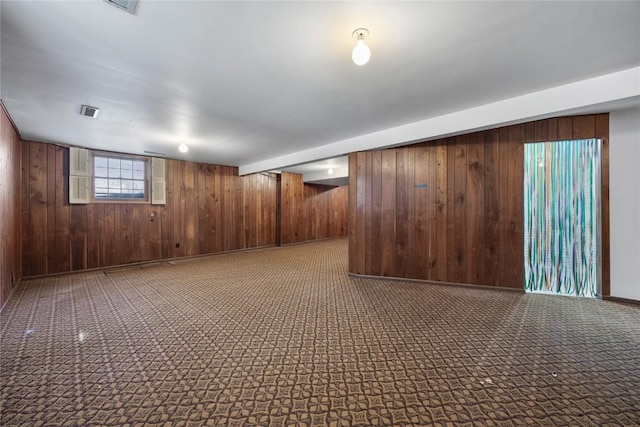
(119, 178)
(138, 165)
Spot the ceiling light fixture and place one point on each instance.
(183, 148)
(361, 53)
(330, 171)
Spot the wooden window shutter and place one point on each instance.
(78, 176)
(158, 182)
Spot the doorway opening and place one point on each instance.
(562, 217)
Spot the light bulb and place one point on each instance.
(361, 53)
(330, 171)
(183, 148)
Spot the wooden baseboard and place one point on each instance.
(621, 300)
(142, 264)
(432, 282)
(15, 286)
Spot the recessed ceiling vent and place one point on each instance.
(89, 111)
(126, 5)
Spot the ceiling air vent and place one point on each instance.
(126, 5)
(89, 111)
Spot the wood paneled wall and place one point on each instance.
(209, 209)
(291, 208)
(10, 249)
(451, 210)
(325, 211)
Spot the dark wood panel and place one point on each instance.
(460, 256)
(353, 215)
(209, 209)
(374, 257)
(10, 209)
(361, 213)
(292, 208)
(602, 132)
(458, 204)
(388, 219)
(441, 213)
(492, 207)
(325, 210)
(61, 259)
(432, 232)
(503, 209)
(515, 212)
(565, 128)
(583, 127)
(51, 213)
(475, 210)
(421, 205)
(38, 208)
(201, 206)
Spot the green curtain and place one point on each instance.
(562, 217)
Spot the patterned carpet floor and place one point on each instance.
(282, 336)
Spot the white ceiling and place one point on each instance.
(242, 82)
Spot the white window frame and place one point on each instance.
(82, 177)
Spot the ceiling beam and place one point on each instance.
(592, 95)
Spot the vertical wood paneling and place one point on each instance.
(565, 128)
(78, 226)
(201, 202)
(292, 208)
(515, 211)
(51, 213)
(388, 205)
(460, 256)
(503, 211)
(353, 215)
(441, 212)
(475, 210)
(583, 127)
(466, 224)
(10, 207)
(94, 234)
(38, 209)
(401, 208)
(325, 211)
(421, 205)
(432, 232)
(361, 213)
(209, 209)
(61, 260)
(492, 207)
(602, 131)
(376, 207)
(368, 223)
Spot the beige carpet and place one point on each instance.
(283, 337)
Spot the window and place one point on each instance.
(105, 177)
(119, 178)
